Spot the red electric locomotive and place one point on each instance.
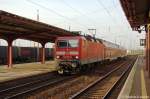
(72, 53)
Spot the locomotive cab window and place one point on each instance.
(62, 43)
(73, 43)
(67, 43)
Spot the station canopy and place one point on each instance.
(137, 12)
(14, 27)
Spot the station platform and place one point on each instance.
(137, 85)
(23, 70)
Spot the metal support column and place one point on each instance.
(148, 50)
(43, 53)
(9, 53)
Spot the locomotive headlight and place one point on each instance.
(74, 65)
(57, 57)
(77, 57)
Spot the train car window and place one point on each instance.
(73, 43)
(62, 43)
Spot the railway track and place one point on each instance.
(21, 81)
(32, 85)
(60, 86)
(103, 87)
(66, 89)
(22, 89)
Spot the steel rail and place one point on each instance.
(24, 81)
(35, 88)
(96, 82)
(118, 81)
(21, 85)
(39, 87)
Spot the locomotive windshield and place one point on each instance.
(62, 43)
(67, 43)
(72, 43)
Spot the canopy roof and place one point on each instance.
(14, 26)
(137, 12)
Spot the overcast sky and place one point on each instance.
(106, 16)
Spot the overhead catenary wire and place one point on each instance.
(67, 18)
(122, 21)
(107, 11)
(95, 11)
(77, 11)
(109, 14)
(56, 13)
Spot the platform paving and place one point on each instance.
(23, 70)
(137, 85)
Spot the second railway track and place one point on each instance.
(14, 92)
(61, 87)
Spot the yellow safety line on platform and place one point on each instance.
(143, 87)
